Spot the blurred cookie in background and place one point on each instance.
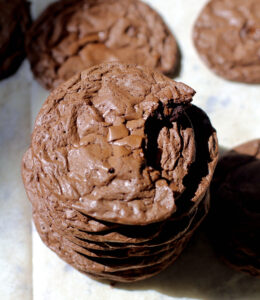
(227, 37)
(15, 20)
(235, 213)
(72, 35)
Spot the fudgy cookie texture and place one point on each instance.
(235, 214)
(227, 37)
(72, 35)
(118, 170)
(15, 20)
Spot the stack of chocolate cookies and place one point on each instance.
(118, 171)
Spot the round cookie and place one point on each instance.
(14, 22)
(235, 215)
(227, 37)
(95, 156)
(72, 35)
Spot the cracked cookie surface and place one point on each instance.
(72, 35)
(227, 37)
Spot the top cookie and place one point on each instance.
(91, 137)
(72, 35)
(227, 37)
(14, 21)
(116, 144)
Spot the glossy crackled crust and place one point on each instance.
(92, 127)
(72, 35)
(227, 37)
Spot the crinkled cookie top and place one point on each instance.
(15, 21)
(115, 143)
(227, 36)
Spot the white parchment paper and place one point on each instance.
(29, 270)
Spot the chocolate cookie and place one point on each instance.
(72, 35)
(235, 214)
(227, 37)
(14, 22)
(118, 171)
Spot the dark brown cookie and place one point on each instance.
(14, 22)
(120, 148)
(227, 37)
(96, 270)
(235, 214)
(72, 35)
